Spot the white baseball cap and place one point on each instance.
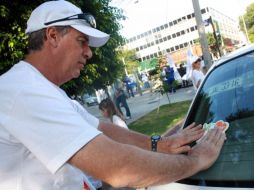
(195, 58)
(64, 13)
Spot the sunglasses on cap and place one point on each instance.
(198, 60)
(83, 16)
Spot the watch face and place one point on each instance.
(156, 137)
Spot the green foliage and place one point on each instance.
(160, 120)
(249, 21)
(103, 69)
(130, 60)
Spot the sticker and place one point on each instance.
(221, 124)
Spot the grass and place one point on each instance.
(160, 120)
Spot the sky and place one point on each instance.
(143, 15)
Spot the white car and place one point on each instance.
(227, 93)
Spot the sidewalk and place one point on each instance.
(141, 105)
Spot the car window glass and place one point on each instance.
(227, 94)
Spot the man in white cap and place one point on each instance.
(46, 140)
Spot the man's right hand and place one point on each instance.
(207, 150)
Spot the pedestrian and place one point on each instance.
(128, 85)
(109, 110)
(182, 72)
(121, 100)
(197, 75)
(46, 142)
(170, 76)
(145, 80)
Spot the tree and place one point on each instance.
(102, 69)
(130, 60)
(249, 21)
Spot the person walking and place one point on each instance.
(46, 142)
(121, 100)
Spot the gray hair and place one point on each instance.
(36, 39)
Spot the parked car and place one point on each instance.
(226, 93)
(90, 100)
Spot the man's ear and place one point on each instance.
(52, 36)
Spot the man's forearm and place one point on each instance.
(125, 136)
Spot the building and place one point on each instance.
(175, 36)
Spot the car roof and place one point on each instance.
(234, 54)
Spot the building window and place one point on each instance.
(157, 29)
(161, 27)
(137, 49)
(192, 15)
(189, 16)
(150, 32)
(176, 47)
(178, 34)
(138, 36)
(185, 44)
(148, 45)
(203, 11)
(181, 45)
(168, 37)
(157, 41)
(182, 32)
(141, 47)
(160, 53)
(192, 29)
(196, 27)
(173, 35)
(147, 57)
(171, 24)
(155, 55)
(152, 43)
(166, 25)
(161, 40)
(188, 30)
(145, 46)
(154, 30)
(179, 20)
(168, 50)
(151, 56)
(172, 49)
(142, 35)
(175, 22)
(165, 39)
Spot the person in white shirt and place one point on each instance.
(46, 144)
(197, 75)
(109, 110)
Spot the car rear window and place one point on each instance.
(228, 94)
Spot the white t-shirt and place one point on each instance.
(197, 76)
(40, 130)
(118, 121)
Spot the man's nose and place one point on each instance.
(88, 52)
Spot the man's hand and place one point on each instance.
(208, 148)
(177, 143)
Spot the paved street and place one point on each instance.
(141, 105)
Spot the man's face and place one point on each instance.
(73, 52)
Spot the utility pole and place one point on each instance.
(245, 29)
(215, 37)
(202, 35)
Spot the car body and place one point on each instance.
(226, 93)
(90, 100)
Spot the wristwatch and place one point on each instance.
(154, 141)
